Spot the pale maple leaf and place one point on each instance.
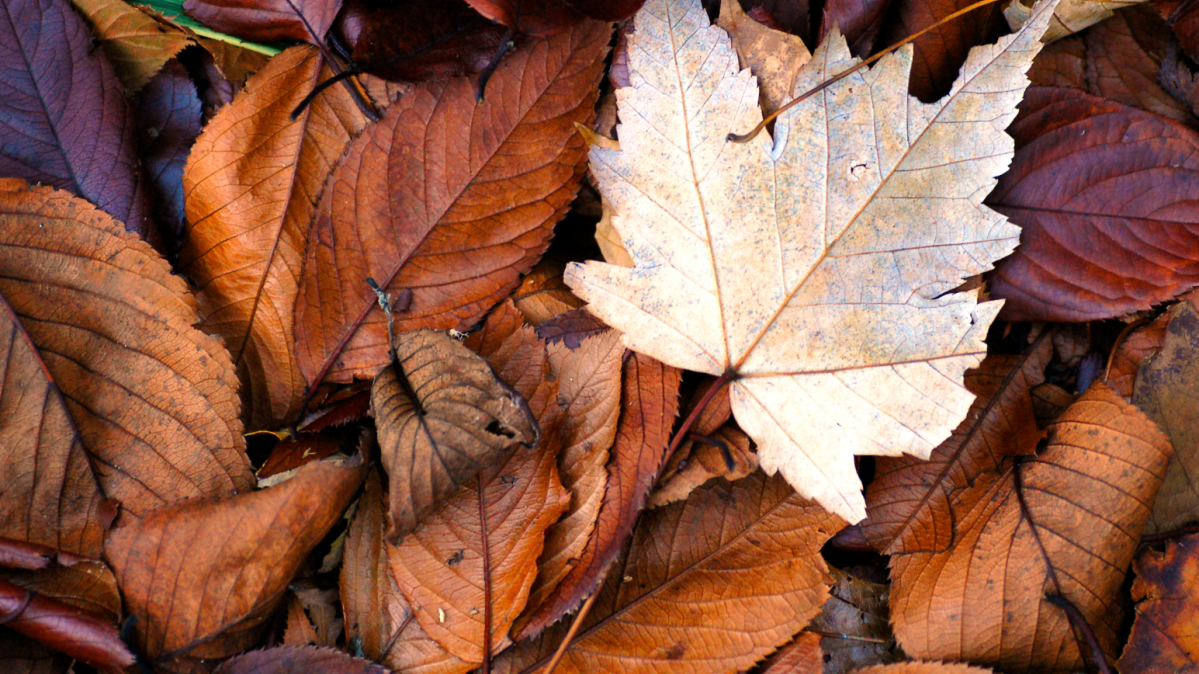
(817, 267)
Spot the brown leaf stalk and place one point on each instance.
(746, 137)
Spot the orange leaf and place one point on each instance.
(908, 501)
(251, 186)
(983, 599)
(648, 408)
(153, 399)
(202, 576)
(440, 567)
(50, 495)
(449, 198)
(711, 584)
(1165, 635)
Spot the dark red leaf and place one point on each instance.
(858, 20)
(73, 631)
(607, 10)
(267, 20)
(298, 660)
(1183, 17)
(1106, 195)
(539, 18)
(940, 52)
(417, 39)
(65, 121)
(168, 115)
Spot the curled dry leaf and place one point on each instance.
(702, 460)
(485, 540)
(829, 303)
(153, 399)
(1104, 194)
(983, 599)
(1165, 634)
(267, 20)
(298, 660)
(1120, 60)
(442, 416)
(543, 294)
(50, 494)
(1167, 390)
(449, 198)
(202, 576)
(74, 631)
(854, 624)
(378, 618)
(649, 404)
(66, 122)
(909, 499)
(251, 186)
(712, 584)
(1070, 17)
(137, 43)
(1141, 343)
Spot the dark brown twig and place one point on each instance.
(574, 629)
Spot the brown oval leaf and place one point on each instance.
(251, 186)
(449, 198)
(712, 584)
(1103, 193)
(66, 121)
(267, 20)
(440, 567)
(78, 633)
(297, 660)
(442, 416)
(1165, 635)
(50, 494)
(154, 399)
(202, 576)
(983, 598)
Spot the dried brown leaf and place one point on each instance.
(505, 511)
(698, 461)
(1165, 634)
(712, 584)
(78, 633)
(923, 668)
(50, 494)
(86, 584)
(153, 399)
(909, 500)
(1141, 343)
(202, 576)
(267, 20)
(773, 56)
(801, 656)
(649, 404)
(448, 198)
(983, 599)
(1167, 390)
(298, 660)
(542, 294)
(854, 624)
(251, 186)
(137, 43)
(442, 416)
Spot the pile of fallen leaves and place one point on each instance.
(512, 336)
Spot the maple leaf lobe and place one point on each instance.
(818, 266)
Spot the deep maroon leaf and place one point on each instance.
(168, 115)
(1106, 195)
(539, 18)
(267, 20)
(939, 53)
(298, 660)
(63, 117)
(607, 10)
(416, 39)
(73, 631)
(858, 20)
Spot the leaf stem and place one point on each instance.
(746, 137)
(486, 578)
(574, 629)
(685, 430)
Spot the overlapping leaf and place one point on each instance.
(295, 659)
(137, 44)
(267, 20)
(1165, 634)
(442, 416)
(168, 114)
(202, 576)
(66, 121)
(153, 399)
(847, 337)
(251, 187)
(446, 197)
(1105, 195)
(983, 598)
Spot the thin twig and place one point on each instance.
(744, 138)
(685, 430)
(574, 629)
